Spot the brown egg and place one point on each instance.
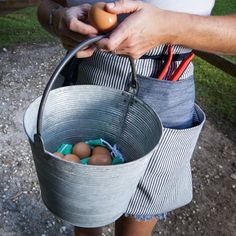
(71, 158)
(101, 150)
(81, 150)
(58, 154)
(102, 20)
(100, 159)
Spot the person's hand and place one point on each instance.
(140, 32)
(70, 25)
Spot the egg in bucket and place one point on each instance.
(87, 195)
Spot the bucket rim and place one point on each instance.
(94, 87)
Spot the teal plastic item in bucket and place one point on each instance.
(87, 195)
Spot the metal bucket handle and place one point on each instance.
(132, 86)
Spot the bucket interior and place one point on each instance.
(85, 112)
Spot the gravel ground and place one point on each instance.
(23, 73)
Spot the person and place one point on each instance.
(149, 32)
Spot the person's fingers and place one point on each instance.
(75, 25)
(65, 33)
(133, 54)
(75, 18)
(86, 52)
(81, 12)
(124, 30)
(85, 7)
(132, 49)
(119, 7)
(120, 34)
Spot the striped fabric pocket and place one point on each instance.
(172, 101)
(167, 181)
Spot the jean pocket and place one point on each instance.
(172, 101)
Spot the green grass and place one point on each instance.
(232, 58)
(216, 92)
(223, 7)
(22, 27)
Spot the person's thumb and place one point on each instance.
(120, 7)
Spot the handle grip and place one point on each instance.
(132, 87)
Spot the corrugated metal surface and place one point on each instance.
(85, 195)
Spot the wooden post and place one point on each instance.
(7, 6)
(218, 61)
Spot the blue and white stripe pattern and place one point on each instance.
(103, 66)
(167, 182)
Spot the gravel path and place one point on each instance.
(24, 71)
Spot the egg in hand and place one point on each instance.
(99, 18)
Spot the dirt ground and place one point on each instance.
(24, 70)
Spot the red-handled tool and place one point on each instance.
(182, 67)
(167, 65)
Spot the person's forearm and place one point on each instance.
(215, 34)
(44, 10)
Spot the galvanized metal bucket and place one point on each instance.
(86, 195)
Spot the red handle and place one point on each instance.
(166, 67)
(182, 67)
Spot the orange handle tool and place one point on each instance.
(181, 68)
(166, 67)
